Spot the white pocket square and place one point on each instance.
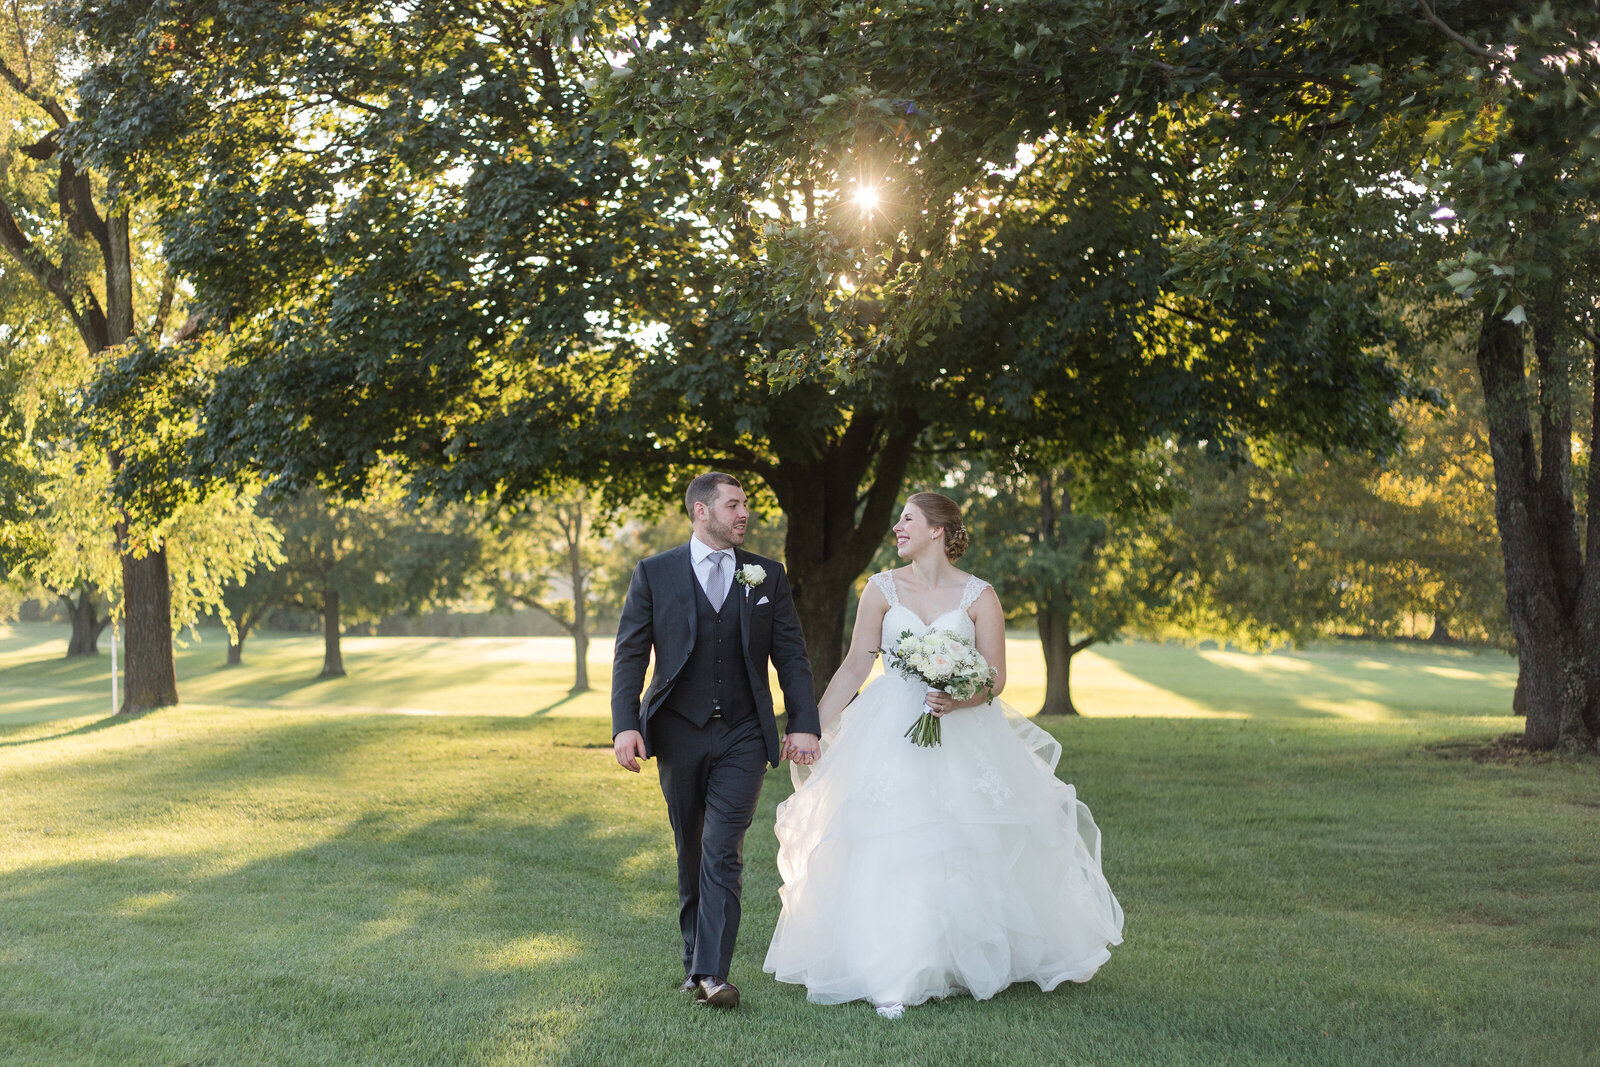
(762, 601)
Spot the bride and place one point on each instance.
(911, 873)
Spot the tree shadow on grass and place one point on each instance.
(78, 679)
(1334, 683)
(369, 681)
(548, 708)
(386, 941)
(87, 728)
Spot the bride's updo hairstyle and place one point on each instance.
(945, 513)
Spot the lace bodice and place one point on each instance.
(900, 618)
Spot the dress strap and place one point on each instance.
(884, 580)
(974, 589)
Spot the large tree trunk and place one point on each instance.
(86, 626)
(833, 532)
(1055, 636)
(332, 660)
(150, 679)
(820, 603)
(1554, 605)
(236, 651)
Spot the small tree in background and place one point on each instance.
(1052, 542)
(246, 604)
(357, 561)
(552, 555)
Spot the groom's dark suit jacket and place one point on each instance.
(660, 615)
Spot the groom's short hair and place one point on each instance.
(704, 489)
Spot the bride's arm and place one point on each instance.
(989, 630)
(857, 663)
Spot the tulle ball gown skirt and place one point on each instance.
(912, 873)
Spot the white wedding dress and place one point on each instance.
(911, 873)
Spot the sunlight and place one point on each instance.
(536, 950)
(866, 198)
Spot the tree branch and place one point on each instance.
(25, 86)
(91, 322)
(550, 78)
(892, 460)
(530, 602)
(1197, 320)
(76, 190)
(743, 461)
(1471, 46)
(1241, 76)
(44, 147)
(356, 102)
(169, 289)
(22, 40)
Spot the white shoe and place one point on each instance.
(891, 1011)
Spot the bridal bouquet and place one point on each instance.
(944, 661)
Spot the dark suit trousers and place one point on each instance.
(711, 777)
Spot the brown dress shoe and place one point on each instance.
(717, 993)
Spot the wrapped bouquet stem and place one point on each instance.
(925, 731)
(944, 661)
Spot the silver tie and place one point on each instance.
(717, 588)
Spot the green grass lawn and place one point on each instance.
(278, 872)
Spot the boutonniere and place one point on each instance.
(750, 576)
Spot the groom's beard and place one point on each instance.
(728, 534)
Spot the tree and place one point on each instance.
(1330, 122)
(247, 603)
(73, 554)
(76, 245)
(67, 527)
(1056, 545)
(48, 535)
(880, 226)
(1489, 109)
(1332, 545)
(359, 560)
(39, 372)
(550, 556)
(388, 305)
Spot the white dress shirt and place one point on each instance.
(701, 553)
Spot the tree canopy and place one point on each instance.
(454, 236)
(1449, 144)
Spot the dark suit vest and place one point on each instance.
(714, 679)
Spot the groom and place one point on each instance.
(713, 616)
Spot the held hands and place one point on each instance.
(628, 746)
(629, 749)
(801, 748)
(939, 703)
